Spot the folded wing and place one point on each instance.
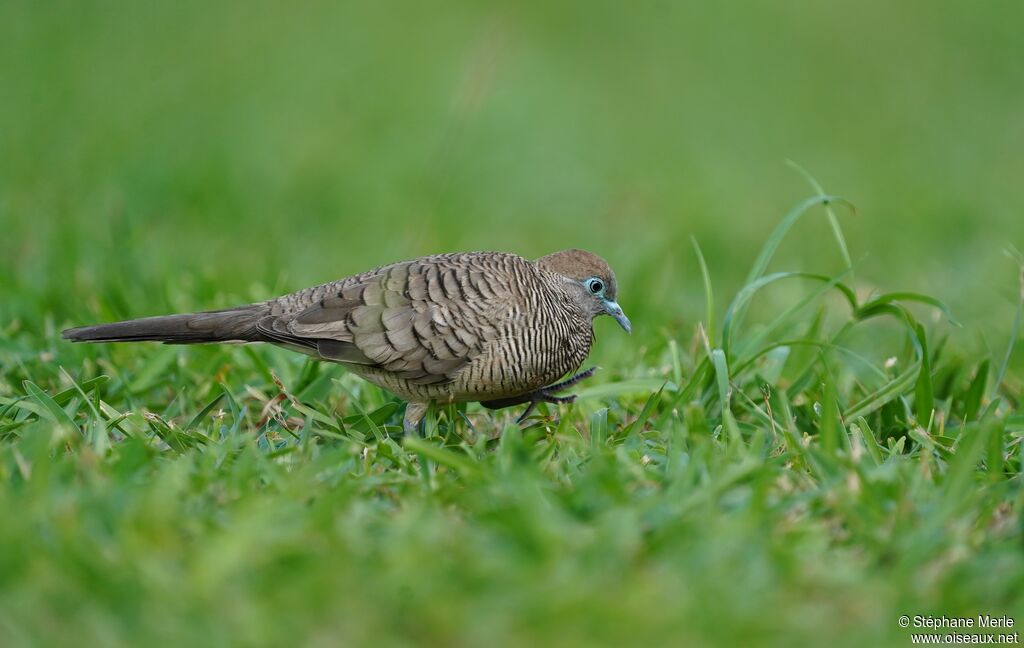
(422, 320)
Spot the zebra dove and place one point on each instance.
(479, 326)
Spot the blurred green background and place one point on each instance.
(227, 150)
(172, 156)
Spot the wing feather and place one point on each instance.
(412, 318)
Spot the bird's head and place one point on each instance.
(592, 282)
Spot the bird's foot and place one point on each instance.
(414, 413)
(568, 382)
(542, 395)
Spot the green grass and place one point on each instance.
(780, 488)
(815, 428)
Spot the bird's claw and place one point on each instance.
(542, 395)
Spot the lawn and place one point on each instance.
(814, 429)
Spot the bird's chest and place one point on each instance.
(530, 350)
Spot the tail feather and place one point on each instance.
(231, 325)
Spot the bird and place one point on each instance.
(488, 327)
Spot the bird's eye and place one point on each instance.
(595, 286)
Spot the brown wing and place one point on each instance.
(423, 320)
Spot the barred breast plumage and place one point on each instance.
(479, 326)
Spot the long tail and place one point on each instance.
(233, 324)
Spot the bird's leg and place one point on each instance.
(568, 382)
(414, 413)
(542, 395)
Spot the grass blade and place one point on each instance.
(780, 231)
(1014, 335)
(972, 400)
(924, 390)
(56, 412)
(203, 413)
(833, 221)
(709, 295)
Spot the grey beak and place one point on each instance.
(613, 309)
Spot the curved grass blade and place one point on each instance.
(837, 231)
(99, 437)
(55, 411)
(759, 337)
(819, 344)
(870, 440)
(892, 390)
(626, 387)
(64, 397)
(198, 418)
(894, 297)
(689, 390)
(775, 238)
(738, 306)
(645, 413)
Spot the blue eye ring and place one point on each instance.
(595, 285)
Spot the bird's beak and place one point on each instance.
(613, 309)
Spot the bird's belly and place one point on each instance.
(496, 373)
(504, 370)
(486, 381)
